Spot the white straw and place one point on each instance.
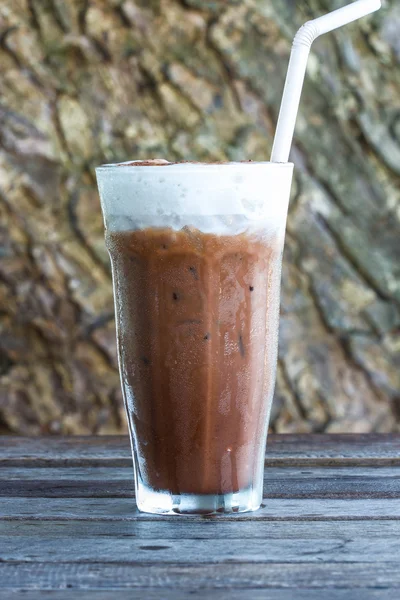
(298, 64)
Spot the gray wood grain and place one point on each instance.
(125, 508)
(329, 526)
(90, 473)
(307, 450)
(214, 529)
(109, 550)
(48, 576)
(165, 594)
(198, 594)
(349, 482)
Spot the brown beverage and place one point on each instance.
(197, 325)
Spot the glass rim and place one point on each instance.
(128, 167)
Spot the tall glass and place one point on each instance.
(196, 252)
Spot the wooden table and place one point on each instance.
(329, 527)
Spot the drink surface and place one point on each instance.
(197, 320)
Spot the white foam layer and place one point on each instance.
(227, 198)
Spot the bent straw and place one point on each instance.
(298, 64)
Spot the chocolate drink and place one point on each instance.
(197, 320)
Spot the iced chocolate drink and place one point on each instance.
(196, 269)
(195, 317)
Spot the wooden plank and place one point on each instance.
(87, 473)
(48, 576)
(60, 450)
(333, 449)
(163, 550)
(215, 529)
(125, 508)
(184, 594)
(298, 544)
(351, 482)
(307, 450)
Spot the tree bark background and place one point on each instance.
(90, 81)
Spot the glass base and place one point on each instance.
(164, 503)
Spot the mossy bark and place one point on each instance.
(84, 82)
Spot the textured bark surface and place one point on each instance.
(89, 81)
